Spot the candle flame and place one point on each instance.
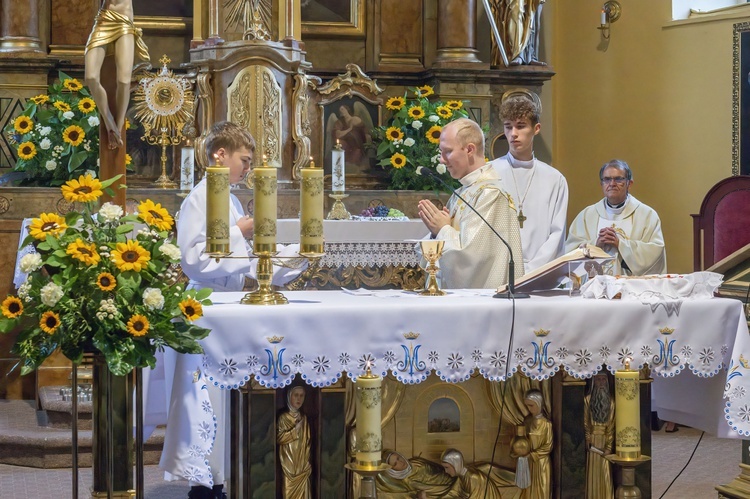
(627, 362)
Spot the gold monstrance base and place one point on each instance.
(431, 250)
(264, 295)
(338, 210)
(367, 485)
(627, 489)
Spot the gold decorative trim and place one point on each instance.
(354, 76)
(275, 339)
(164, 23)
(736, 85)
(666, 330)
(301, 128)
(541, 332)
(411, 335)
(354, 28)
(37, 86)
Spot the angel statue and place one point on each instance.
(351, 128)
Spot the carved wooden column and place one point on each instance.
(19, 26)
(457, 33)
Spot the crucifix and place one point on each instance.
(521, 219)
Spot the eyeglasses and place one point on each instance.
(616, 180)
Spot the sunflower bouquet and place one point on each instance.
(411, 136)
(56, 137)
(102, 281)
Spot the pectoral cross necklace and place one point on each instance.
(521, 217)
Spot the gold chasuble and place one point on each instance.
(109, 26)
(473, 256)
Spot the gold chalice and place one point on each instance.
(432, 249)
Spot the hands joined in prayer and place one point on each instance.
(434, 218)
(607, 236)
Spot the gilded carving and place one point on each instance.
(354, 76)
(205, 103)
(4, 204)
(370, 277)
(253, 16)
(64, 207)
(301, 128)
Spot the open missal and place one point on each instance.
(551, 275)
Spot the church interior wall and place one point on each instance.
(658, 95)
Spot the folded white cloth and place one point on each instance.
(653, 288)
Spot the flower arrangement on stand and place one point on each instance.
(57, 135)
(411, 136)
(105, 282)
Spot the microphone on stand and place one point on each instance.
(511, 293)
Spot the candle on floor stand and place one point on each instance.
(369, 441)
(627, 413)
(311, 211)
(217, 210)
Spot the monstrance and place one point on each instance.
(163, 102)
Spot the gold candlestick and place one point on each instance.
(431, 250)
(265, 294)
(338, 210)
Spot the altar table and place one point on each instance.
(323, 335)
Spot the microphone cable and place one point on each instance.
(686, 465)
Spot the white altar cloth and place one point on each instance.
(323, 334)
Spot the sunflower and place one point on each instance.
(416, 112)
(72, 84)
(73, 135)
(191, 309)
(61, 106)
(128, 159)
(27, 150)
(425, 91)
(49, 322)
(86, 188)
(12, 307)
(138, 325)
(47, 223)
(23, 124)
(40, 99)
(155, 215)
(398, 160)
(395, 103)
(106, 281)
(128, 126)
(86, 105)
(83, 252)
(130, 256)
(454, 104)
(394, 134)
(433, 134)
(444, 112)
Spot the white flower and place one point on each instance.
(97, 162)
(110, 212)
(23, 291)
(30, 262)
(435, 159)
(91, 172)
(50, 165)
(93, 121)
(434, 118)
(409, 142)
(418, 171)
(68, 115)
(416, 125)
(45, 143)
(440, 168)
(51, 294)
(45, 130)
(171, 251)
(153, 298)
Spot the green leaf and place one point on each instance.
(76, 160)
(110, 181)
(125, 228)
(203, 293)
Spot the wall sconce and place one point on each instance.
(610, 13)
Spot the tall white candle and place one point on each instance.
(338, 168)
(604, 17)
(369, 415)
(187, 166)
(264, 209)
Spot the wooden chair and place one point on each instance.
(723, 224)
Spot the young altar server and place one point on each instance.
(540, 192)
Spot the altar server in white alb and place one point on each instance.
(540, 192)
(473, 256)
(190, 452)
(621, 225)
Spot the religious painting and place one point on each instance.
(741, 100)
(350, 120)
(342, 18)
(443, 416)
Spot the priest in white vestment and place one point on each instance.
(622, 226)
(190, 452)
(539, 191)
(473, 256)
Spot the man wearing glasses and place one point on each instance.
(621, 225)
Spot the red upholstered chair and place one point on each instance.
(724, 222)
